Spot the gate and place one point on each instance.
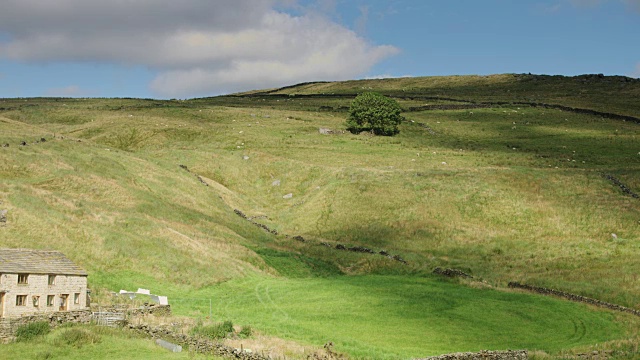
(108, 318)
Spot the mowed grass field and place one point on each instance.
(505, 193)
(400, 317)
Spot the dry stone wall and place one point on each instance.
(483, 355)
(198, 345)
(8, 326)
(573, 297)
(470, 104)
(624, 188)
(451, 272)
(576, 110)
(262, 226)
(146, 309)
(491, 104)
(449, 107)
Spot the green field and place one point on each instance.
(397, 317)
(505, 193)
(92, 343)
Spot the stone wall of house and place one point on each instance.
(36, 292)
(8, 326)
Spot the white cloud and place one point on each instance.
(198, 47)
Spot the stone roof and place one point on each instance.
(27, 261)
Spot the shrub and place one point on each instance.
(32, 330)
(227, 326)
(214, 331)
(77, 337)
(245, 332)
(374, 112)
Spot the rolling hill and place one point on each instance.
(526, 178)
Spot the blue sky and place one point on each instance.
(194, 48)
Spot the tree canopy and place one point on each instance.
(374, 112)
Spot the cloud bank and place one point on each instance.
(197, 47)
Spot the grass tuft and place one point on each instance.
(32, 330)
(214, 331)
(77, 337)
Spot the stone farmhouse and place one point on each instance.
(39, 282)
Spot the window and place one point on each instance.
(76, 298)
(52, 279)
(21, 300)
(23, 278)
(36, 301)
(50, 300)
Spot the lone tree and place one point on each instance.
(374, 112)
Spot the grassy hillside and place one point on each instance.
(616, 94)
(115, 211)
(505, 193)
